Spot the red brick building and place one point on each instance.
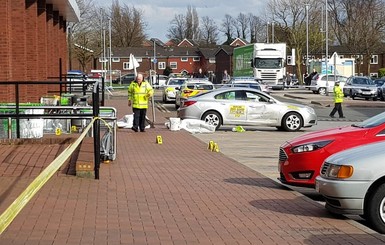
(33, 44)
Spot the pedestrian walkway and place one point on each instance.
(177, 192)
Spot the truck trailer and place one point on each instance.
(265, 62)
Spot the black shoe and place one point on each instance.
(134, 129)
(331, 116)
(342, 117)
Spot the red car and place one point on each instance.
(300, 159)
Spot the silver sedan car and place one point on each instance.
(353, 182)
(246, 107)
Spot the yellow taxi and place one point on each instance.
(190, 88)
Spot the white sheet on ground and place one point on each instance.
(127, 121)
(193, 126)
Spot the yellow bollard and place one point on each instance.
(216, 147)
(159, 140)
(58, 131)
(211, 145)
(73, 128)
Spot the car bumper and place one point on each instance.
(309, 120)
(341, 196)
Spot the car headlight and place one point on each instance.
(339, 171)
(310, 110)
(311, 146)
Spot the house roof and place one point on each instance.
(148, 52)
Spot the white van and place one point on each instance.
(318, 83)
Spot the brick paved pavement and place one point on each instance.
(174, 193)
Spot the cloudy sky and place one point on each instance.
(159, 13)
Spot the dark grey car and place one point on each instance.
(360, 86)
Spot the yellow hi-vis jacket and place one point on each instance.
(338, 94)
(139, 95)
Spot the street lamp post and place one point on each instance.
(326, 47)
(267, 32)
(272, 32)
(307, 37)
(110, 50)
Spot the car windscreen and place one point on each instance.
(371, 122)
(176, 82)
(200, 86)
(275, 63)
(248, 85)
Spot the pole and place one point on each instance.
(152, 98)
(272, 32)
(110, 52)
(267, 32)
(326, 47)
(307, 38)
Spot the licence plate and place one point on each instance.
(367, 93)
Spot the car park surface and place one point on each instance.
(353, 182)
(301, 157)
(191, 88)
(246, 106)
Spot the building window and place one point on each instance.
(288, 60)
(359, 58)
(184, 59)
(161, 65)
(212, 60)
(138, 59)
(196, 58)
(173, 65)
(115, 59)
(126, 65)
(374, 74)
(374, 59)
(341, 57)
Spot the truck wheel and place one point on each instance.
(375, 209)
(212, 118)
(322, 91)
(291, 122)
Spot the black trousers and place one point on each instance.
(139, 118)
(337, 108)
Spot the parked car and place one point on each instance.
(248, 82)
(353, 182)
(125, 79)
(319, 84)
(300, 158)
(246, 106)
(168, 92)
(360, 86)
(190, 88)
(158, 81)
(380, 83)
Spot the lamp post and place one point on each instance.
(267, 32)
(110, 52)
(326, 47)
(307, 37)
(272, 32)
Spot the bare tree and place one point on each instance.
(256, 27)
(242, 23)
(83, 44)
(289, 17)
(209, 31)
(358, 25)
(192, 23)
(128, 25)
(177, 29)
(227, 28)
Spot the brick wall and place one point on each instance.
(32, 47)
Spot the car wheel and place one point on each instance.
(292, 122)
(212, 118)
(374, 98)
(375, 209)
(322, 91)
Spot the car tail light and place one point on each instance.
(188, 103)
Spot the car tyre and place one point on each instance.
(291, 122)
(374, 98)
(375, 209)
(212, 118)
(322, 91)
